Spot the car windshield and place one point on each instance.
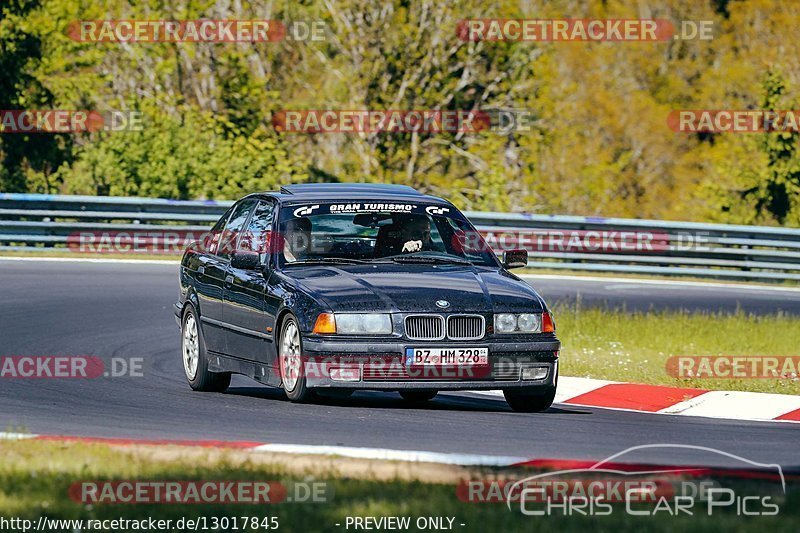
(380, 232)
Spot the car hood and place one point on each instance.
(415, 288)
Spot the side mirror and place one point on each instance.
(515, 258)
(245, 260)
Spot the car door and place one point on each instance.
(209, 278)
(214, 274)
(243, 304)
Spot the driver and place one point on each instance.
(297, 241)
(416, 233)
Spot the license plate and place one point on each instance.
(447, 356)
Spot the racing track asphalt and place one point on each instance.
(125, 310)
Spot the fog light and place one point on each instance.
(530, 374)
(346, 374)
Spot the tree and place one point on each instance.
(25, 154)
(759, 174)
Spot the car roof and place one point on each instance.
(317, 188)
(346, 192)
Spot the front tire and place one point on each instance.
(195, 357)
(290, 357)
(418, 396)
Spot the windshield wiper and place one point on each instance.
(334, 260)
(428, 259)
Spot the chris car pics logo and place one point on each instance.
(647, 490)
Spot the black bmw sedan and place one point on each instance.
(337, 287)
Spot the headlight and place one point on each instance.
(505, 323)
(363, 324)
(518, 323)
(529, 323)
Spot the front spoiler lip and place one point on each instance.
(427, 385)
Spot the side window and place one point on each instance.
(211, 240)
(241, 212)
(256, 238)
(464, 240)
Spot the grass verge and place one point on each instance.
(35, 477)
(635, 346)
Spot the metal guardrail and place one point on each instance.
(47, 223)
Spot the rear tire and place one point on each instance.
(530, 401)
(418, 396)
(290, 358)
(195, 356)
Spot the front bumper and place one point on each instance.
(363, 364)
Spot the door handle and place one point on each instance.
(228, 280)
(201, 270)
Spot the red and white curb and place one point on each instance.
(381, 454)
(454, 459)
(731, 405)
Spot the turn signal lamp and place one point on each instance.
(325, 324)
(548, 326)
